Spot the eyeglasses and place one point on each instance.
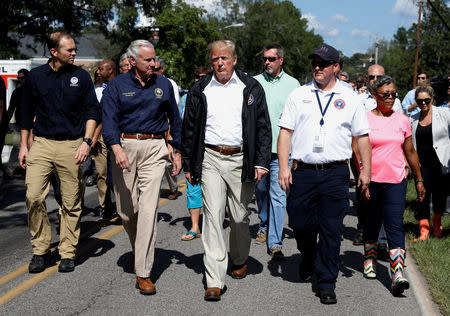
(271, 59)
(321, 64)
(20, 78)
(426, 101)
(386, 95)
(371, 77)
(422, 78)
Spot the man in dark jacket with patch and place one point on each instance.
(227, 142)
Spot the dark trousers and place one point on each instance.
(317, 203)
(436, 189)
(362, 206)
(387, 205)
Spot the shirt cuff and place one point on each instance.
(261, 168)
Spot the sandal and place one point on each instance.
(190, 235)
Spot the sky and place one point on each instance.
(351, 26)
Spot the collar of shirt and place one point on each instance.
(337, 88)
(150, 80)
(270, 79)
(233, 80)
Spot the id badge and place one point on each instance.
(319, 142)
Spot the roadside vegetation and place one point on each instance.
(432, 256)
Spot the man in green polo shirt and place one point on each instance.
(271, 199)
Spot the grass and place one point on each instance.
(432, 256)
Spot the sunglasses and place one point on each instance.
(426, 101)
(21, 78)
(198, 76)
(386, 95)
(156, 69)
(271, 59)
(321, 64)
(371, 77)
(422, 78)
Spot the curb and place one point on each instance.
(420, 287)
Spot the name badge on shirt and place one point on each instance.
(319, 141)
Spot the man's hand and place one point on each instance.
(259, 173)
(23, 155)
(82, 153)
(188, 177)
(284, 178)
(171, 152)
(121, 157)
(176, 162)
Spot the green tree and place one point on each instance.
(273, 21)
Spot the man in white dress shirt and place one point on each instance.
(227, 142)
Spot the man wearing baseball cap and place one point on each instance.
(320, 119)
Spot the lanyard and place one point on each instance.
(320, 106)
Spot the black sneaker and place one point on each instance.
(38, 263)
(105, 214)
(327, 296)
(358, 240)
(66, 265)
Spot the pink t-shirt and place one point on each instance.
(387, 135)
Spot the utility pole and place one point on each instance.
(376, 50)
(416, 59)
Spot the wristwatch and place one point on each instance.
(88, 141)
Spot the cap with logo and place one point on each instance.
(326, 52)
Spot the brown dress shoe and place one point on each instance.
(212, 294)
(145, 286)
(239, 271)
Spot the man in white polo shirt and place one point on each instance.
(226, 139)
(320, 118)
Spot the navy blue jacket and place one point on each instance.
(61, 101)
(129, 107)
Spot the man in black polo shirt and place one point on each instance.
(59, 104)
(136, 106)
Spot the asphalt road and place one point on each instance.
(103, 283)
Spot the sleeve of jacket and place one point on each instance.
(187, 132)
(263, 131)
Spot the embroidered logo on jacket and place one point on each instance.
(159, 93)
(251, 99)
(74, 82)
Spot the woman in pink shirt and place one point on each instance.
(390, 137)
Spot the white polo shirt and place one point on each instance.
(224, 115)
(345, 116)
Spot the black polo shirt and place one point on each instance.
(62, 101)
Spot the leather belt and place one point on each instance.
(141, 136)
(225, 150)
(317, 167)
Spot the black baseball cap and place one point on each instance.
(326, 52)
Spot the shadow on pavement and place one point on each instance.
(287, 269)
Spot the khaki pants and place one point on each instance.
(101, 165)
(44, 156)
(137, 195)
(221, 185)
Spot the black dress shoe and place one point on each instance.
(358, 240)
(327, 296)
(66, 265)
(38, 263)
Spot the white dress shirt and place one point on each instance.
(224, 117)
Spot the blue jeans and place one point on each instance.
(271, 200)
(387, 205)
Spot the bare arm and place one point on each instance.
(365, 153)
(283, 146)
(23, 150)
(413, 160)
